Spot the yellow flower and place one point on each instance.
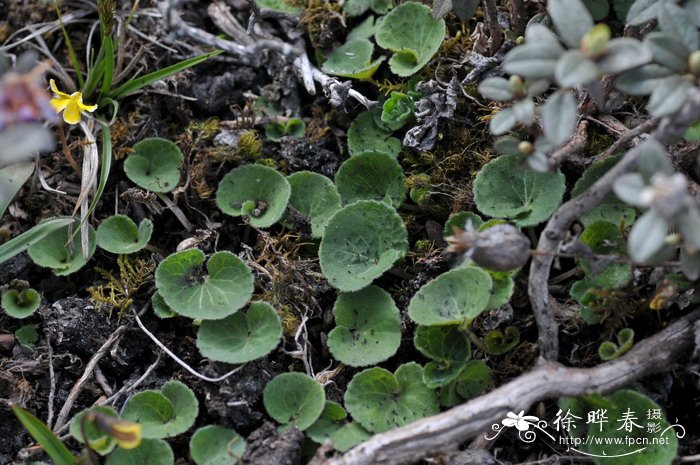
(125, 433)
(71, 105)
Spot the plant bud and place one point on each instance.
(595, 41)
(525, 147)
(499, 248)
(517, 85)
(694, 62)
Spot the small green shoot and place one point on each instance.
(27, 335)
(258, 192)
(119, 234)
(20, 303)
(368, 327)
(223, 289)
(294, 399)
(362, 241)
(449, 349)
(293, 127)
(608, 350)
(498, 343)
(240, 338)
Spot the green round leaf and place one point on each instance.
(163, 414)
(368, 327)
(410, 31)
(365, 135)
(605, 238)
(439, 374)
(216, 445)
(451, 298)
(119, 234)
(361, 242)
(353, 60)
(20, 304)
(371, 176)
(504, 190)
(257, 183)
(150, 451)
(380, 400)
(27, 335)
(473, 380)
(160, 308)
(294, 399)
(443, 343)
(185, 287)
(315, 196)
(459, 220)
(240, 337)
(100, 442)
(154, 165)
(52, 251)
(501, 291)
(397, 110)
(333, 426)
(611, 208)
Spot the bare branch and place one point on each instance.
(551, 380)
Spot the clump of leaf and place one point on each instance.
(498, 343)
(661, 441)
(216, 445)
(333, 425)
(20, 303)
(293, 127)
(119, 234)
(221, 290)
(452, 298)
(362, 241)
(294, 399)
(154, 165)
(365, 135)
(165, 413)
(315, 196)
(410, 31)
(609, 350)
(240, 338)
(380, 400)
(472, 381)
(503, 189)
(371, 176)
(257, 192)
(397, 110)
(448, 347)
(61, 250)
(150, 451)
(353, 60)
(368, 327)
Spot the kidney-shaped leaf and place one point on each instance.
(225, 287)
(380, 400)
(150, 451)
(332, 426)
(241, 338)
(294, 399)
(315, 196)
(371, 176)
(154, 165)
(216, 445)
(256, 191)
(502, 189)
(353, 60)
(368, 327)
(119, 234)
(451, 298)
(53, 251)
(361, 242)
(443, 343)
(410, 31)
(164, 413)
(365, 135)
(20, 303)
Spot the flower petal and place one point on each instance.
(59, 104)
(71, 115)
(55, 90)
(81, 105)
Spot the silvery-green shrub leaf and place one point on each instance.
(642, 81)
(622, 54)
(507, 145)
(537, 87)
(690, 264)
(629, 187)
(503, 121)
(667, 50)
(538, 161)
(441, 8)
(572, 20)
(524, 111)
(533, 60)
(669, 95)
(574, 69)
(643, 11)
(692, 9)
(559, 117)
(653, 159)
(496, 88)
(12, 177)
(647, 236)
(689, 224)
(675, 20)
(465, 9)
(541, 34)
(20, 143)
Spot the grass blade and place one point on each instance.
(20, 243)
(43, 435)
